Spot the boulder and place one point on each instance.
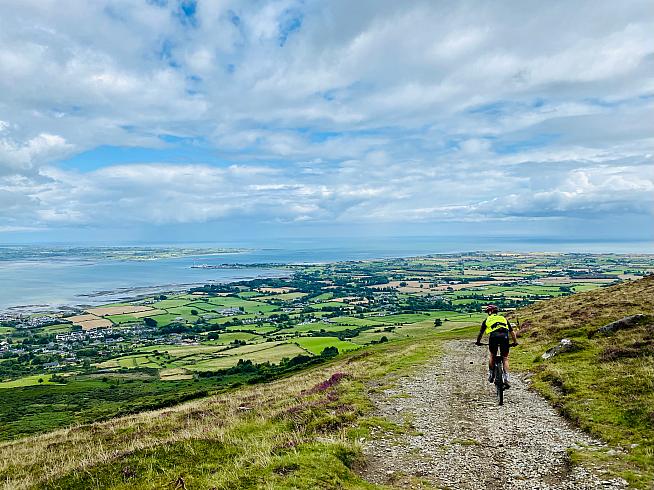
(622, 324)
(565, 345)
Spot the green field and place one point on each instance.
(316, 345)
(118, 319)
(59, 328)
(404, 318)
(316, 327)
(249, 294)
(185, 312)
(200, 306)
(27, 381)
(358, 322)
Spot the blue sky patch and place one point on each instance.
(106, 156)
(290, 22)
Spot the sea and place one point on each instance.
(32, 283)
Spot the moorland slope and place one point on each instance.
(602, 378)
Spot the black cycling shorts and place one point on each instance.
(499, 338)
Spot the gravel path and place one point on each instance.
(461, 439)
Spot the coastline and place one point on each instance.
(119, 295)
(54, 285)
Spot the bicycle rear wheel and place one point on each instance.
(499, 383)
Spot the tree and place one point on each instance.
(194, 312)
(150, 322)
(213, 336)
(40, 380)
(438, 322)
(55, 378)
(330, 351)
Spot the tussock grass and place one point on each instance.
(299, 432)
(605, 385)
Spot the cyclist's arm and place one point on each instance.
(481, 331)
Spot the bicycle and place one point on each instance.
(498, 375)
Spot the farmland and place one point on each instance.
(210, 338)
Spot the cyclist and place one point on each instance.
(498, 329)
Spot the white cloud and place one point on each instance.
(23, 157)
(324, 111)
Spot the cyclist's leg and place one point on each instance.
(504, 351)
(492, 350)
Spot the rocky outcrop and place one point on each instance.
(622, 324)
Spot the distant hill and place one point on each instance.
(602, 379)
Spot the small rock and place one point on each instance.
(565, 345)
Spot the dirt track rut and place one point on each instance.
(461, 439)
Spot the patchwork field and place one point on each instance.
(172, 345)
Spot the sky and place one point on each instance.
(181, 120)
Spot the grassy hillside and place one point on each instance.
(299, 432)
(605, 383)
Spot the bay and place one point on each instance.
(74, 279)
